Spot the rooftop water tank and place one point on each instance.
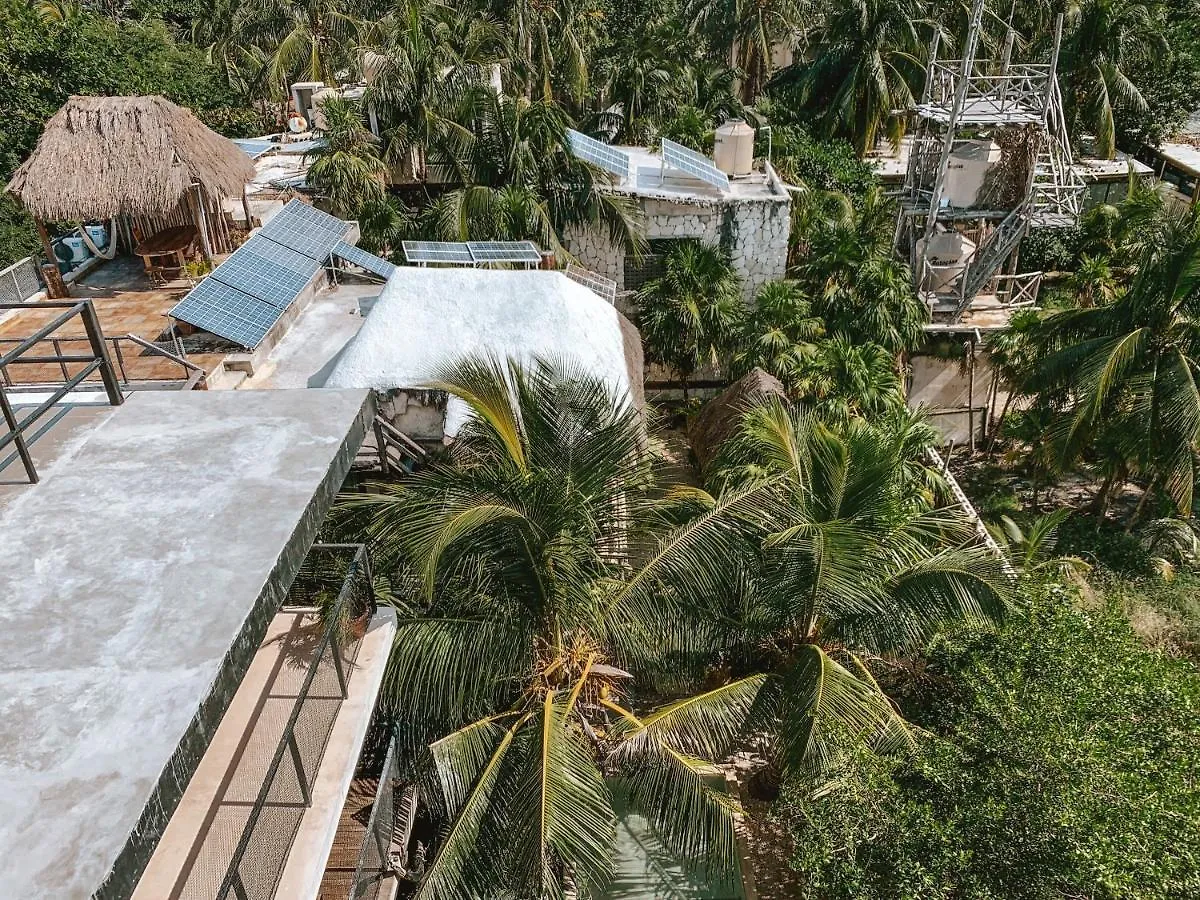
(947, 254)
(966, 170)
(733, 149)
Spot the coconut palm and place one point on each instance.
(304, 40)
(1128, 372)
(514, 649)
(347, 169)
(691, 315)
(521, 179)
(1103, 38)
(749, 34)
(848, 559)
(868, 56)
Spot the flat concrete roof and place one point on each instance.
(129, 575)
(651, 180)
(1183, 156)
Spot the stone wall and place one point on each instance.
(754, 231)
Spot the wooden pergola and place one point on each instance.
(142, 162)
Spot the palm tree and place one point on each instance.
(846, 380)
(869, 53)
(1128, 372)
(347, 169)
(690, 316)
(1103, 39)
(748, 32)
(779, 336)
(419, 61)
(521, 179)
(550, 42)
(858, 286)
(848, 560)
(307, 40)
(512, 663)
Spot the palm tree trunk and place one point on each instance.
(1141, 507)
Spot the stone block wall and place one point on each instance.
(753, 231)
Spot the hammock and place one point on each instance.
(112, 241)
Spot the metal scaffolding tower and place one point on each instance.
(961, 238)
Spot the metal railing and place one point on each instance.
(94, 361)
(139, 364)
(336, 579)
(374, 859)
(20, 281)
(1019, 91)
(598, 284)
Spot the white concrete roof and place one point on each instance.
(651, 180)
(426, 319)
(1185, 156)
(128, 575)
(1117, 168)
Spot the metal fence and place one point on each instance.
(19, 282)
(93, 360)
(336, 579)
(374, 863)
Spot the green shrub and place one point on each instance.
(1063, 761)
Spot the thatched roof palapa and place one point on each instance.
(719, 418)
(101, 157)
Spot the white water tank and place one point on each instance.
(98, 235)
(966, 170)
(733, 148)
(79, 250)
(947, 254)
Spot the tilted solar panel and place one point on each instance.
(504, 251)
(598, 154)
(306, 230)
(598, 284)
(359, 257)
(227, 312)
(437, 252)
(253, 147)
(679, 157)
(253, 269)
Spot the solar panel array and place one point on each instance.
(423, 252)
(472, 253)
(504, 251)
(306, 230)
(598, 153)
(695, 164)
(593, 281)
(246, 295)
(359, 257)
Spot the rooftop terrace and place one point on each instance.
(138, 586)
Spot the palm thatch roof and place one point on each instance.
(100, 157)
(719, 418)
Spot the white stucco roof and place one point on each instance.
(428, 318)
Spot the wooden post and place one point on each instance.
(198, 219)
(246, 210)
(56, 288)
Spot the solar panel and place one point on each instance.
(298, 147)
(420, 252)
(260, 275)
(598, 154)
(504, 251)
(253, 147)
(359, 257)
(599, 285)
(282, 256)
(228, 312)
(306, 230)
(679, 157)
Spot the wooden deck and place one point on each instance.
(347, 843)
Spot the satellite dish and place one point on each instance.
(297, 124)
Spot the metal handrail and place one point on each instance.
(98, 361)
(375, 830)
(232, 884)
(192, 373)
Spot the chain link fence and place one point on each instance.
(19, 282)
